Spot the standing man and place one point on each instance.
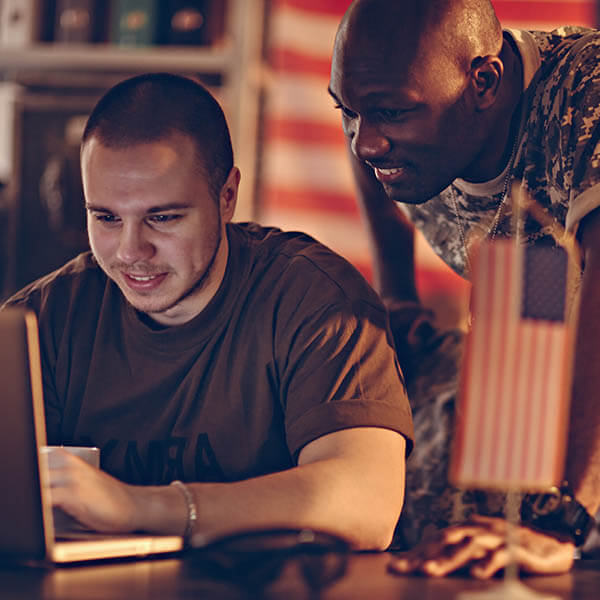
(252, 364)
(442, 111)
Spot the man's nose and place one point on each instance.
(368, 143)
(134, 246)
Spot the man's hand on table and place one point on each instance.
(480, 546)
(95, 499)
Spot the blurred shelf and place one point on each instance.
(111, 58)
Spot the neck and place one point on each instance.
(507, 118)
(197, 298)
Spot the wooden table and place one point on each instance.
(179, 578)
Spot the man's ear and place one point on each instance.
(486, 75)
(228, 195)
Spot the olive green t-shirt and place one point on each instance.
(294, 345)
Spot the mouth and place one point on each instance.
(141, 277)
(391, 175)
(143, 282)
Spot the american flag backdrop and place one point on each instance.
(305, 180)
(513, 407)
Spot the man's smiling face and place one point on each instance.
(154, 225)
(407, 114)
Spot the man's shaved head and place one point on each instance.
(424, 93)
(459, 30)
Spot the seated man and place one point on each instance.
(254, 364)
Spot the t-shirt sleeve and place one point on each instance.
(340, 371)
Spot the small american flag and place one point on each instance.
(513, 411)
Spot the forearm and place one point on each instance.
(583, 458)
(390, 234)
(358, 500)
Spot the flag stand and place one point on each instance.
(511, 586)
(511, 589)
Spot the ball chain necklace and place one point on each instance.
(493, 229)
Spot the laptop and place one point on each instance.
(27, 532)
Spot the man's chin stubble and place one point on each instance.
(196, 287)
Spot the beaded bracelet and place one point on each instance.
(192, 516)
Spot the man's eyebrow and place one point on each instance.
(96, 208)
(171, 206)
(151, 210)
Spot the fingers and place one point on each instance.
(488, 566)
(542, 554)
(481, 546)
(546, 559)
(65, 469)
(94, 498)
(454, 548)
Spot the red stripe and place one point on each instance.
(543, 452)
(544, 340)
(487, 316)
(581, 11)
(535, 12)
(518, 432)
(536, 401)
(308, 132)
(504, 291)
(325, 7)
(514, 385)
(441, 281)
(289, 61)
(563, 412)
(307, 199)
(529, 415)
(516, 397)
(506, 9)
(365, 268)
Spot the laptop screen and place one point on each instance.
(22, 534)
(27, 531)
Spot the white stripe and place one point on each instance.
(341, 233)
(490, 395)
(306, 32)
(539, 25)
(555, 1)
(474, 389)
(554, 370)
(302, 97)
(310, 166)
(522, 425)
(506, 464)
(537, 405)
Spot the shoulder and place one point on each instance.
(569, 55)
(563, 39)
(300, 265)
(63, 287)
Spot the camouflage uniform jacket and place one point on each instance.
(557, 154)
(557, 159)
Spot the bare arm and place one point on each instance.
(350, 482)
(583, 458)
(481, 543)
(391, 236)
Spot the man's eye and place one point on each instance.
(390, 114)
(346, 112)
(160, 219)
(107, 219)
